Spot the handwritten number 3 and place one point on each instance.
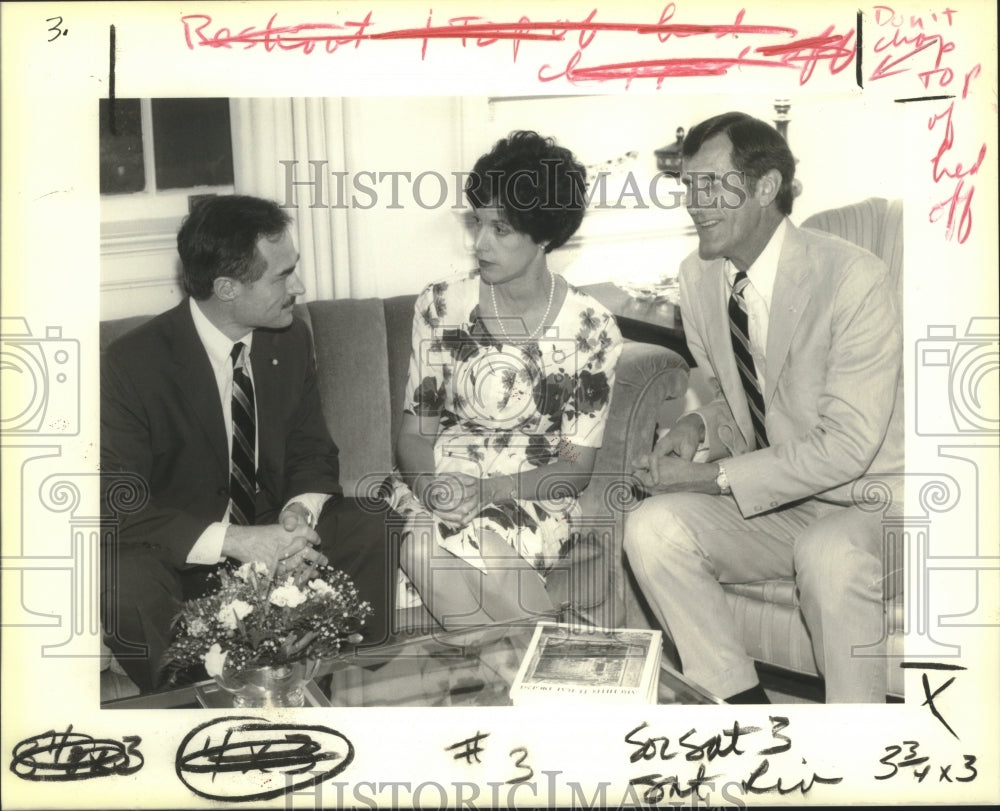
(969, 760)
(132, 749)
(893, 751)
(520, 750)
(56, 30)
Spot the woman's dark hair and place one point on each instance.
(757, 148)
(539, 187)
(219, 238)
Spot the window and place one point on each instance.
(122, 158)
(156, 153)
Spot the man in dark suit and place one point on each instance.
(213, 406)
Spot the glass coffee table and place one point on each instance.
(471, 667)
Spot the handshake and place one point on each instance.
(288, 547)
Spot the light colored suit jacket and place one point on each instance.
(833, 382)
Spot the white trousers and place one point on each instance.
(682, 546)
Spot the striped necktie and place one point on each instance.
(243, 467)
(739, 332)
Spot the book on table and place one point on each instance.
(578, 664)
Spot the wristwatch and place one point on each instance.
(722, 480)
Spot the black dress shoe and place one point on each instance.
(755, 695)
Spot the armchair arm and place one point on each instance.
(650, 383)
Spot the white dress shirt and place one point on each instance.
(207, 549)
(757, 295)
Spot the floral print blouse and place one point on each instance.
(507, 405)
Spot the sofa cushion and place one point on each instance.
(771, 626)
(110, 331)
(399, 329)
(773, 632)
(351, 360)
(650, 381)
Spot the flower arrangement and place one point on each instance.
(254, 620)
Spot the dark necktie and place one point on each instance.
(739, 332)
(243, 468)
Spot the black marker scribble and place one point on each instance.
(754, 785)
(235, 758)
(112, 57)
(472, 748)
(858, 75)
(75, 756)
(929, 703)
(922, 98)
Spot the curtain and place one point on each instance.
(280, 141)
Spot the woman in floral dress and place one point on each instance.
(509, 387)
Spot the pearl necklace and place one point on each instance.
(541, 324)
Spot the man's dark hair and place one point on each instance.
(219, 238)
(539, 187)
(757, 148)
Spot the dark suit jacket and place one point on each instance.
(161, 419)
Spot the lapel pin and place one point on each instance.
(274, 361)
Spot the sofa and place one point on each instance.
(367, 342)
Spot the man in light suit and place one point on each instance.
(167, 389)
(800, 335)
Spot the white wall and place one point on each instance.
(399, 249)
(402, 249)
(845, 150)
(139, 266)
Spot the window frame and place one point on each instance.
(154, 203)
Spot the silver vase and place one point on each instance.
(273, 686)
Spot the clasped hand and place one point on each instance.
(286, 548)
(455, 498)
(669, 469)
(671, 474)
(301, 556)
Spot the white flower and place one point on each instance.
(320, 586)
(258, 568)
(215, 660)
(288, 595)
(197, 627)
(228, 613)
